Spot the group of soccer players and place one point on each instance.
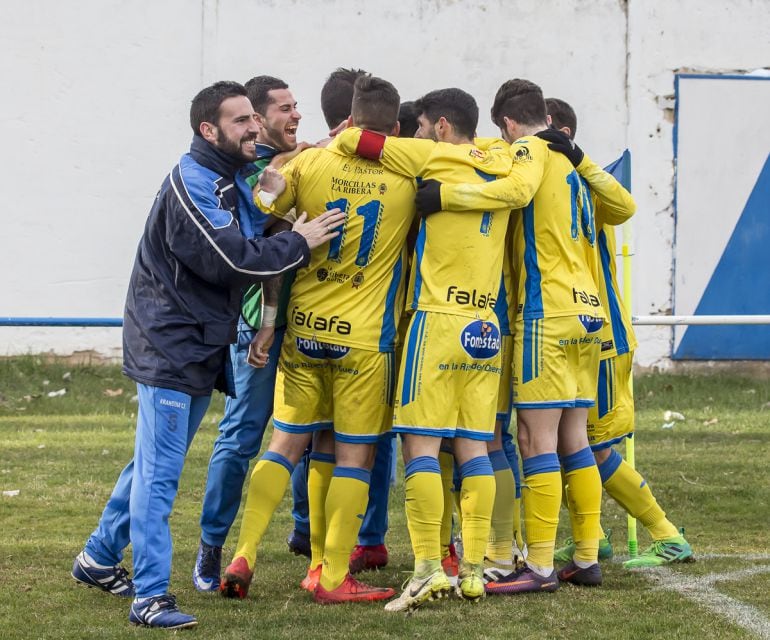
(507, 273)
(471, 276)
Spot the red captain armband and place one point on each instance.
(370, 145)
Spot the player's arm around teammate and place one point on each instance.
(447, 388)
(556, 346)
(336, 369)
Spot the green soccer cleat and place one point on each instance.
(422, 589)
(564, 554)
(661, 552)
(470, 582)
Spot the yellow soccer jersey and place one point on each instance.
(613, 205)
(352, 292)
(554, 237)
(458, 256)
(617, 335)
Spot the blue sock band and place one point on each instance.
(578, 460)
(544, 463)
(272, 456)
(323, 457)
(610, 465)
(422, 464)
(356, 473)
(479, 466)
(499, 460)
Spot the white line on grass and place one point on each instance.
(702, 591)
(734, 556)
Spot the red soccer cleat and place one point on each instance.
(351, 590)
(310, 581)
(237, 579)
(368, 557)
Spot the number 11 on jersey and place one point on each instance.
(371, 212)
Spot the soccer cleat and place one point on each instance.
(564, 554)
(368, 557)
(310, 581)
(524, 580)
(237, 579)
(160, 612)
(496, 570)
(351, 590)
(470, 582)
(451, 565)
(208, 566)
(299, 543)
(661, 552)
(418, 591)
(588, 577)
(112, 580)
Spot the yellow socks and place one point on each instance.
(266, 488)
(632, 492)
(584, 500)
(346, 503)
(502, 527)
(477, 500)
(541, 495)
(318, 479)
(424, 507)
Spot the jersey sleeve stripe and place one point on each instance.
(390, 317)
(533, 303)
(616, 319)
(419, 251)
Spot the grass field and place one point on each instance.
(63, 454)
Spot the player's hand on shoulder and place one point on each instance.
(428, 197)
(321, 229)
(562, 143)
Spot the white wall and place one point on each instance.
(96, 99)
(666, 37)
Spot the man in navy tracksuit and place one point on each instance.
(195, 257)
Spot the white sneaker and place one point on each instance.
(418, 591)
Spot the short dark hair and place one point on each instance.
(407, 120)
(562, 115)
(457, 106)
(258, 90)
(375, 104)
(520, 100)
(337, 95)
(205, 105)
